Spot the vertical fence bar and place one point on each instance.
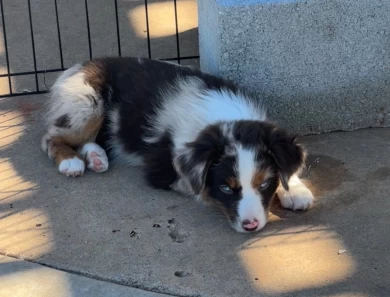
(59, 35)
(33, 46)
(89, 31)
(177, 32)
(6, 47)
(147, 28)
(117, 29)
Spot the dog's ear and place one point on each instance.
(287, 153)
(193, 161)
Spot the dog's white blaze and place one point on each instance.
(250, 206)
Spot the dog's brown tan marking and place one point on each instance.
(260, 176)
(59, 150)
(233, 183)
(62, 144)
(89, 132)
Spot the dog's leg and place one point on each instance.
(95, 157)
(74, 117)
(61, 146)
(298, 197)
(68, 161)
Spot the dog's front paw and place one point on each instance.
(299, 197)
(72, 167)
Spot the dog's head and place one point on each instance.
(237, 166)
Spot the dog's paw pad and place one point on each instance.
(96, 157)
(72, 167)
(97, 163)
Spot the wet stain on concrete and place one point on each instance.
(324, 173)
(342, 199)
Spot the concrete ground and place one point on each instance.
(107, 229)
(20, 279)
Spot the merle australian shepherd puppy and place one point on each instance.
(192, 132)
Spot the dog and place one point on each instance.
(192, 132)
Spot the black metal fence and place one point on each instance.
(35, 72)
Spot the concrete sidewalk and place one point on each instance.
(112, 227)
(22, 279)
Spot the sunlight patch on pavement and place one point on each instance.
(12, 126)
(19, 279)
(296, 259)
(4, 85)
(23, 230)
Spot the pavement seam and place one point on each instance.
(91, 276)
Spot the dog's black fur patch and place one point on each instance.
(63, 122)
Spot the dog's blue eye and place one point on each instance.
(264, 185)
(226, 189)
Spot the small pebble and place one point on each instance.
(342, 252)
(171, 221)
(156, 225)
(114, 231)
(38, 225)
(133, 233)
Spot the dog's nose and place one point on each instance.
(250, 225)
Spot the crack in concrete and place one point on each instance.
(95, 277)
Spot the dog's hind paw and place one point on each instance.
(72, 167)
(96, 157)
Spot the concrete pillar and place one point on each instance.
(319, 65)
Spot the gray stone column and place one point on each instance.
(319, 65)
